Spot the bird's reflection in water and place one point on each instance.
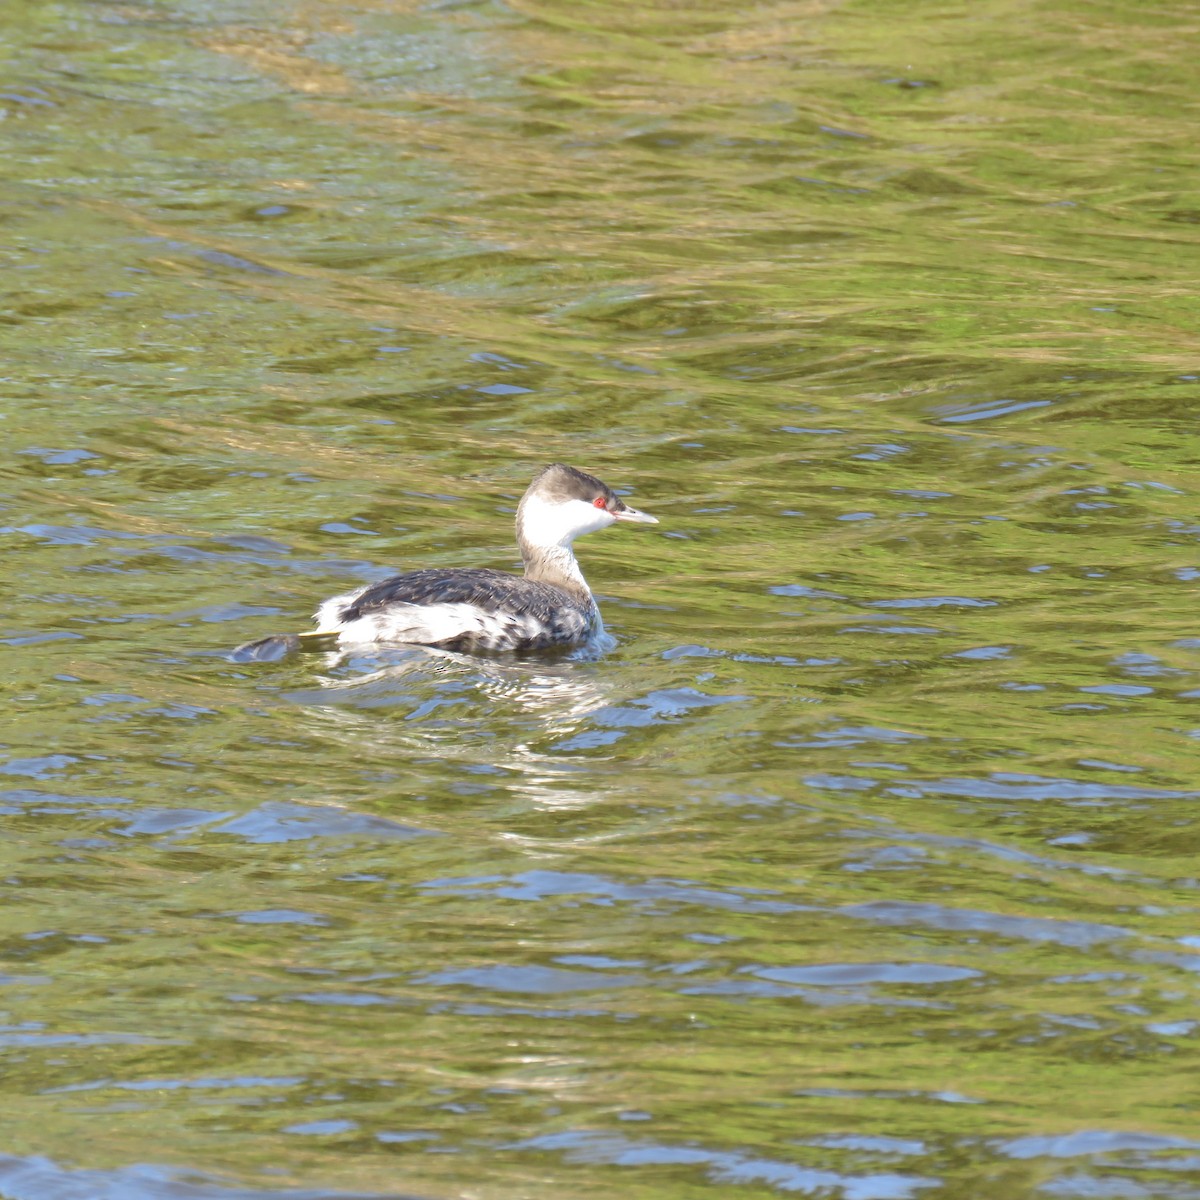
(503, 714)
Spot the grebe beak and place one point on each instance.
(634, 517)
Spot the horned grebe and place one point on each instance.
(477, 608)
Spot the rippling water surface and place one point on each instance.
(865, 866)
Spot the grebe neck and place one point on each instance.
(546, 528)
(555, 565)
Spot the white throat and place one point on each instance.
(544, 525)
(545, 532)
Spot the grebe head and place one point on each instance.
(562, 503)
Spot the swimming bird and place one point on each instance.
(476, 608)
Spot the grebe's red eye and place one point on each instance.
(600, 502)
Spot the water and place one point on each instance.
(864, 866)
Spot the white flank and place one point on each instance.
(429, 624)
